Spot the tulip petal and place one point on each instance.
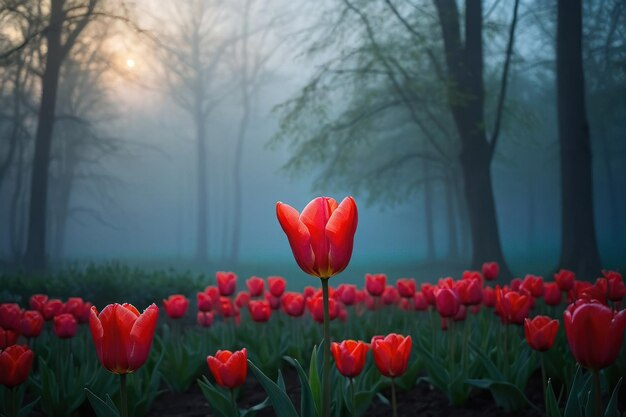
(340, 231)
(315, 216)
(298, 235)
(141, 336)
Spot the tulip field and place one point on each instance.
(245, 346)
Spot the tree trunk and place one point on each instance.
(611, 188)
(16, 218)
(428, 213)
(36, 246)
(241, 134)
(464, 229)
(202, 247)
(481, 210)
(453, 236)
(466, 98)
(579, 251)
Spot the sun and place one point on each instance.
(130, 63)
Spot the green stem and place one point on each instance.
(233, 399)
(326, 374)
(12, 406)
(352, 396)
(465, 347)
(544, 381)
(123, 396)
(597, 392)
(394, 405)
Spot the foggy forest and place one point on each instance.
(161, 134)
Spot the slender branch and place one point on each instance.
(503, 83)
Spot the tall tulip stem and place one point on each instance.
(597, 392)
(352, 396)
(544, 380)
(326, 374)
(233, 399)
(123, 396)
(394, 404)
(12, 406)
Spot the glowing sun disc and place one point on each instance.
(130, 63)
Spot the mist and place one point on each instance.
(178, 125)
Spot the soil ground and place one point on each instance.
(421, 401)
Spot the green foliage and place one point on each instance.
(103, 284)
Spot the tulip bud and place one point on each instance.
(229, 368)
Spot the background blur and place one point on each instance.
(175, 126)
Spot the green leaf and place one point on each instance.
(219, 402)
(572, 407)
(26, 410)
(611, 407)
(280, 401)
(552, 405)
(505, 394)
(307, 405)
(314, 381)
(102, 408)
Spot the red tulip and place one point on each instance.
(391, 354)
(533, 284)
(322, 237)
(256, 286)
(10, 316)
(347, 294)
(65, 326)
(80, 309)
(552, 294)
(460, 315)
(227, 309)
(473, 276)
(445, 282)
(565, 279)
(616, 286)
(122, 336)
(31, 324)
(390, 295)
(176, 306)
(204, 300)
(316, 308)
(578, 291)
(37, 301)
(274, 302)
(349, 357)
(516, 283)
(375, 284)
(242, 299)
(540, 332)
(447, 302)
(594, 333)
(293, 304)
(276, 285)
(491, 270)
(8, 337)
(213, 292)
(470, 291)
(226, 283)
(229, 368)
(512, 307)
(52, 307)
(15, 364)
(429, 292)
(260, 311)
(419, 301)
(489, 297)
(205, 318)
(406, 287)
